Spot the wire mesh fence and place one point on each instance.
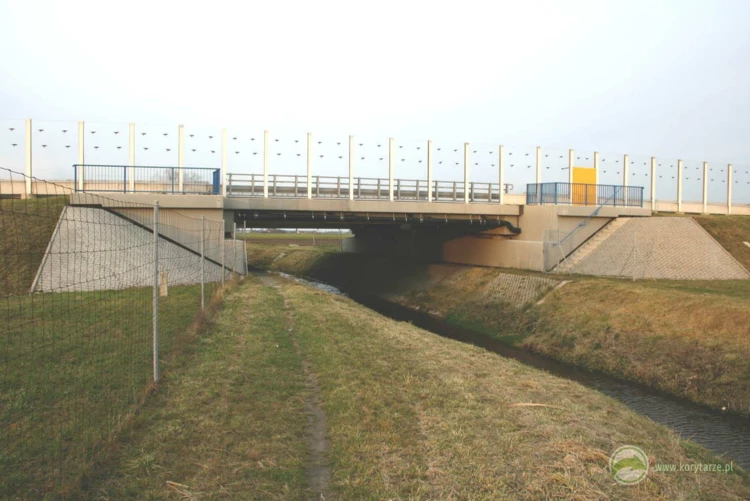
(95, 293)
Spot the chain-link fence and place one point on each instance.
(95, 294)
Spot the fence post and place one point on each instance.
(155, 314)
(265, 164)
(180, 157)
(501, 174)
(467, 160)
(653, 184)
(203, 263)
(244, 245)
(429, 171)
(729, 189)
(351, 167)
(679, 185)
(391, 166)
(538, 164)
(705, 187)
(234, 250)
(223, 173)
(81, 155)
(29, 172)
(131, 156)
(223, 251)
(309, 165)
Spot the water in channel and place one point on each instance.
(726, 435)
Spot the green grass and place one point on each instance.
(25, 229)
(229, 423)
(410, 415)
(75, 366)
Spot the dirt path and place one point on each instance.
(317, 469)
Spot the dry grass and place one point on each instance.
(688, 338)
(413, 415)
(409, 415)
(730, 232)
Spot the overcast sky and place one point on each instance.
(664, 78)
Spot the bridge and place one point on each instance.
(414, 217)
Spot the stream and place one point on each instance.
(724, 434)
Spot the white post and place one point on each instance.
(571, 163)
(653, 184)
(81, 154)
(467, 176)
(351, 167)
(234, 250)
(309, 165)
(729, 189)
(180, 157)
(265, 164)
(203, 263)
(391, 166)
(501, 174)
(679, 185)
(29, 172)
(596, 167)
(625, 165)
(223, 173)
(705, 187)
(429, 171)
(538, 164)
(131, 157)
(155, 312)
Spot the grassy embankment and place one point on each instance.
(688, 338)
(74, 366)
(410, 415)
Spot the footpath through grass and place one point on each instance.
(689, 338)
(410, 415)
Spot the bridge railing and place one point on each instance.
(584, 194)
(363, 188)
(144, 179)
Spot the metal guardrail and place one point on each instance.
(584, 194)
(363, 188)
(143, 179)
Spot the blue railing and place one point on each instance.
(584, 194)
(141, 179)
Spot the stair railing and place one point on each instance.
(580, 225)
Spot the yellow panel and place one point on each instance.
(584, 195)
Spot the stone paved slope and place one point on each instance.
(663, 248)
(93, 249)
